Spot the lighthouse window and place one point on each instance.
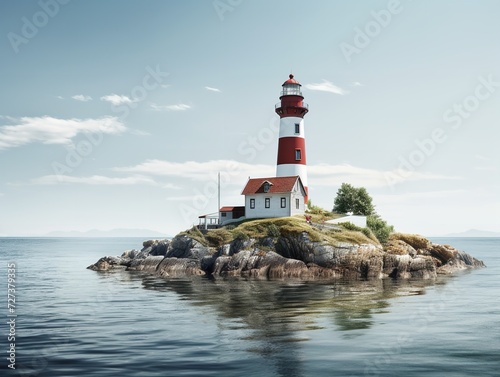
(252, 203)
(297, 128)
(283, 202)
(297, 203)
(298, 154)
(268, 202)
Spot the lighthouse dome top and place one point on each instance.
(291, 87)
(291, 80)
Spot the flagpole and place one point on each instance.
(218, 195)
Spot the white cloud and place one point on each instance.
(326, 86)
(212, 89)
(49, 130)
(116, 99)
(139, 133)
(178, 107)
(231, 171)
(81, 97)
(171, 186)
(483, 158)
(238, 172)
(334, 175)
(182, 198)
(410, 197)
(59, 97)
(357, 83)
(93, 180)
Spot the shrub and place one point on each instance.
(218, 237)
(195, 234)
(380, 228)
(350, 226)
(239, 235)
(273, 230)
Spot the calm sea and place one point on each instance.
(76, 322)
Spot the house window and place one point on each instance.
(223, 214)
(268, 203)
(252, 203)
(297, 203)
(266, 187)
(297, 128)
(283, 202)
(298, 154)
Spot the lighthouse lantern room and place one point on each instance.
(291, 144)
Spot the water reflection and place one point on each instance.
(274, 318)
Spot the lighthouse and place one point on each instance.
(292, 142)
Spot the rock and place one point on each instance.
(443, 253)
(176, 267)
(149, 264)
(186, 247)
(144, 253)
(294, 256)
(207, 263)
(400, 247)
(239, 244)
(107, 263)
(225, 250)
(160, 248)
(130, 254)
(461, 261)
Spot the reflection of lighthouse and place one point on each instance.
(292, 143)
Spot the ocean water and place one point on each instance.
(75, 322)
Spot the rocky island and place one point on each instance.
(292, 248)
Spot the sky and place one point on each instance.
(121, 113)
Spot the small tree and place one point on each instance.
(379, 227)
(353, 199)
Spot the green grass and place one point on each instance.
(195, 234)
(276, 227)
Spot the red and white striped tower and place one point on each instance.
(292, 142)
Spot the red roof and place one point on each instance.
(230, 209)
(277, 185)
(291, 80)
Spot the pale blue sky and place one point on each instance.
(119, 114)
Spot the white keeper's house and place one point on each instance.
(274, 197)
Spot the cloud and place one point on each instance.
(97, 180)
(59, 97)
(171, 186)
(49, 130)
(116, 99)
(357, 83)
(483, 158)
(81, 97)
(411, 197)
(235, 172)
(231, 171)
(139, 133)
(334, 175)
(212, 89)
(178, 107)
(326, 86)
